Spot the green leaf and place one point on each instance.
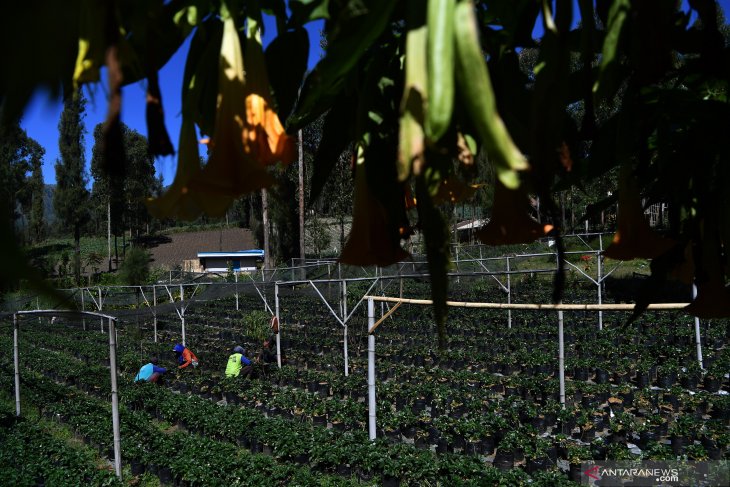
(286, 62)
(200, 79)
(436, 237)
(335, 138)
(343, 53)
(606, 84)
(303, 11)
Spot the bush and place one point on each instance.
(256, 323)
(135, 269)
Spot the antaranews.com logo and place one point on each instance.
(655, 473)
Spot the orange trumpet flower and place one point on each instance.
(713, 298)
(248, 135)
(178, 201)
(510, 222)
(634, 238)
(372, 240)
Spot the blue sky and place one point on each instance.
(41, 116)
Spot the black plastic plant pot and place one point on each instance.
(601, 376)
(678, 443)
(487, 446)
(165, 475)
(537, 464)
(256, 447)
(575, 472)
(711, 383)
(138, 468)
(443, 446)
(504, 460)
(390, 481)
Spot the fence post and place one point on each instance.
(154, 312)
(101, 320)
(83, 308)
(561, 359)
(509, 295)
(371, 370)
(16, 364)
(235, 275)
(697, 332)
(599, 259)
(182, 314)
(115, 398)
(278, 324)
(344, 323)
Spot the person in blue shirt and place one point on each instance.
(238, 364)
(150, 372)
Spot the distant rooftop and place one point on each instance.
(236, 253)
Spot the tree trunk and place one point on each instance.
(109, 232)
(116, 252)
(77, 254)
(342, 232)
(301, 198)
(265, 213)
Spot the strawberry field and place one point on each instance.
(483, 412)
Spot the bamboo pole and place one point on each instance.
(533, 306)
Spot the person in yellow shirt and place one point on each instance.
(238, 364)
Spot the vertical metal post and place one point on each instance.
(371, 370)
(509, 295)
(561, 358)
(698, 341)
(344, 321)
(235, 275)
(278, 324)
(182, 314)
(382, 293)
(101, 320)
(456, 249)
(115, 398)
(154, 312)
(83, 308)
(599, 259)
(16, 364)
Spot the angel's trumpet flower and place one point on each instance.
(372, 240)
(510, 222)
(634, 239)
(248, 134)
(178, 201)
(713, 298)
(263, 135)
(712, 301)
(454, 190)
(684, 270)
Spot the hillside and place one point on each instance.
(171, 250)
